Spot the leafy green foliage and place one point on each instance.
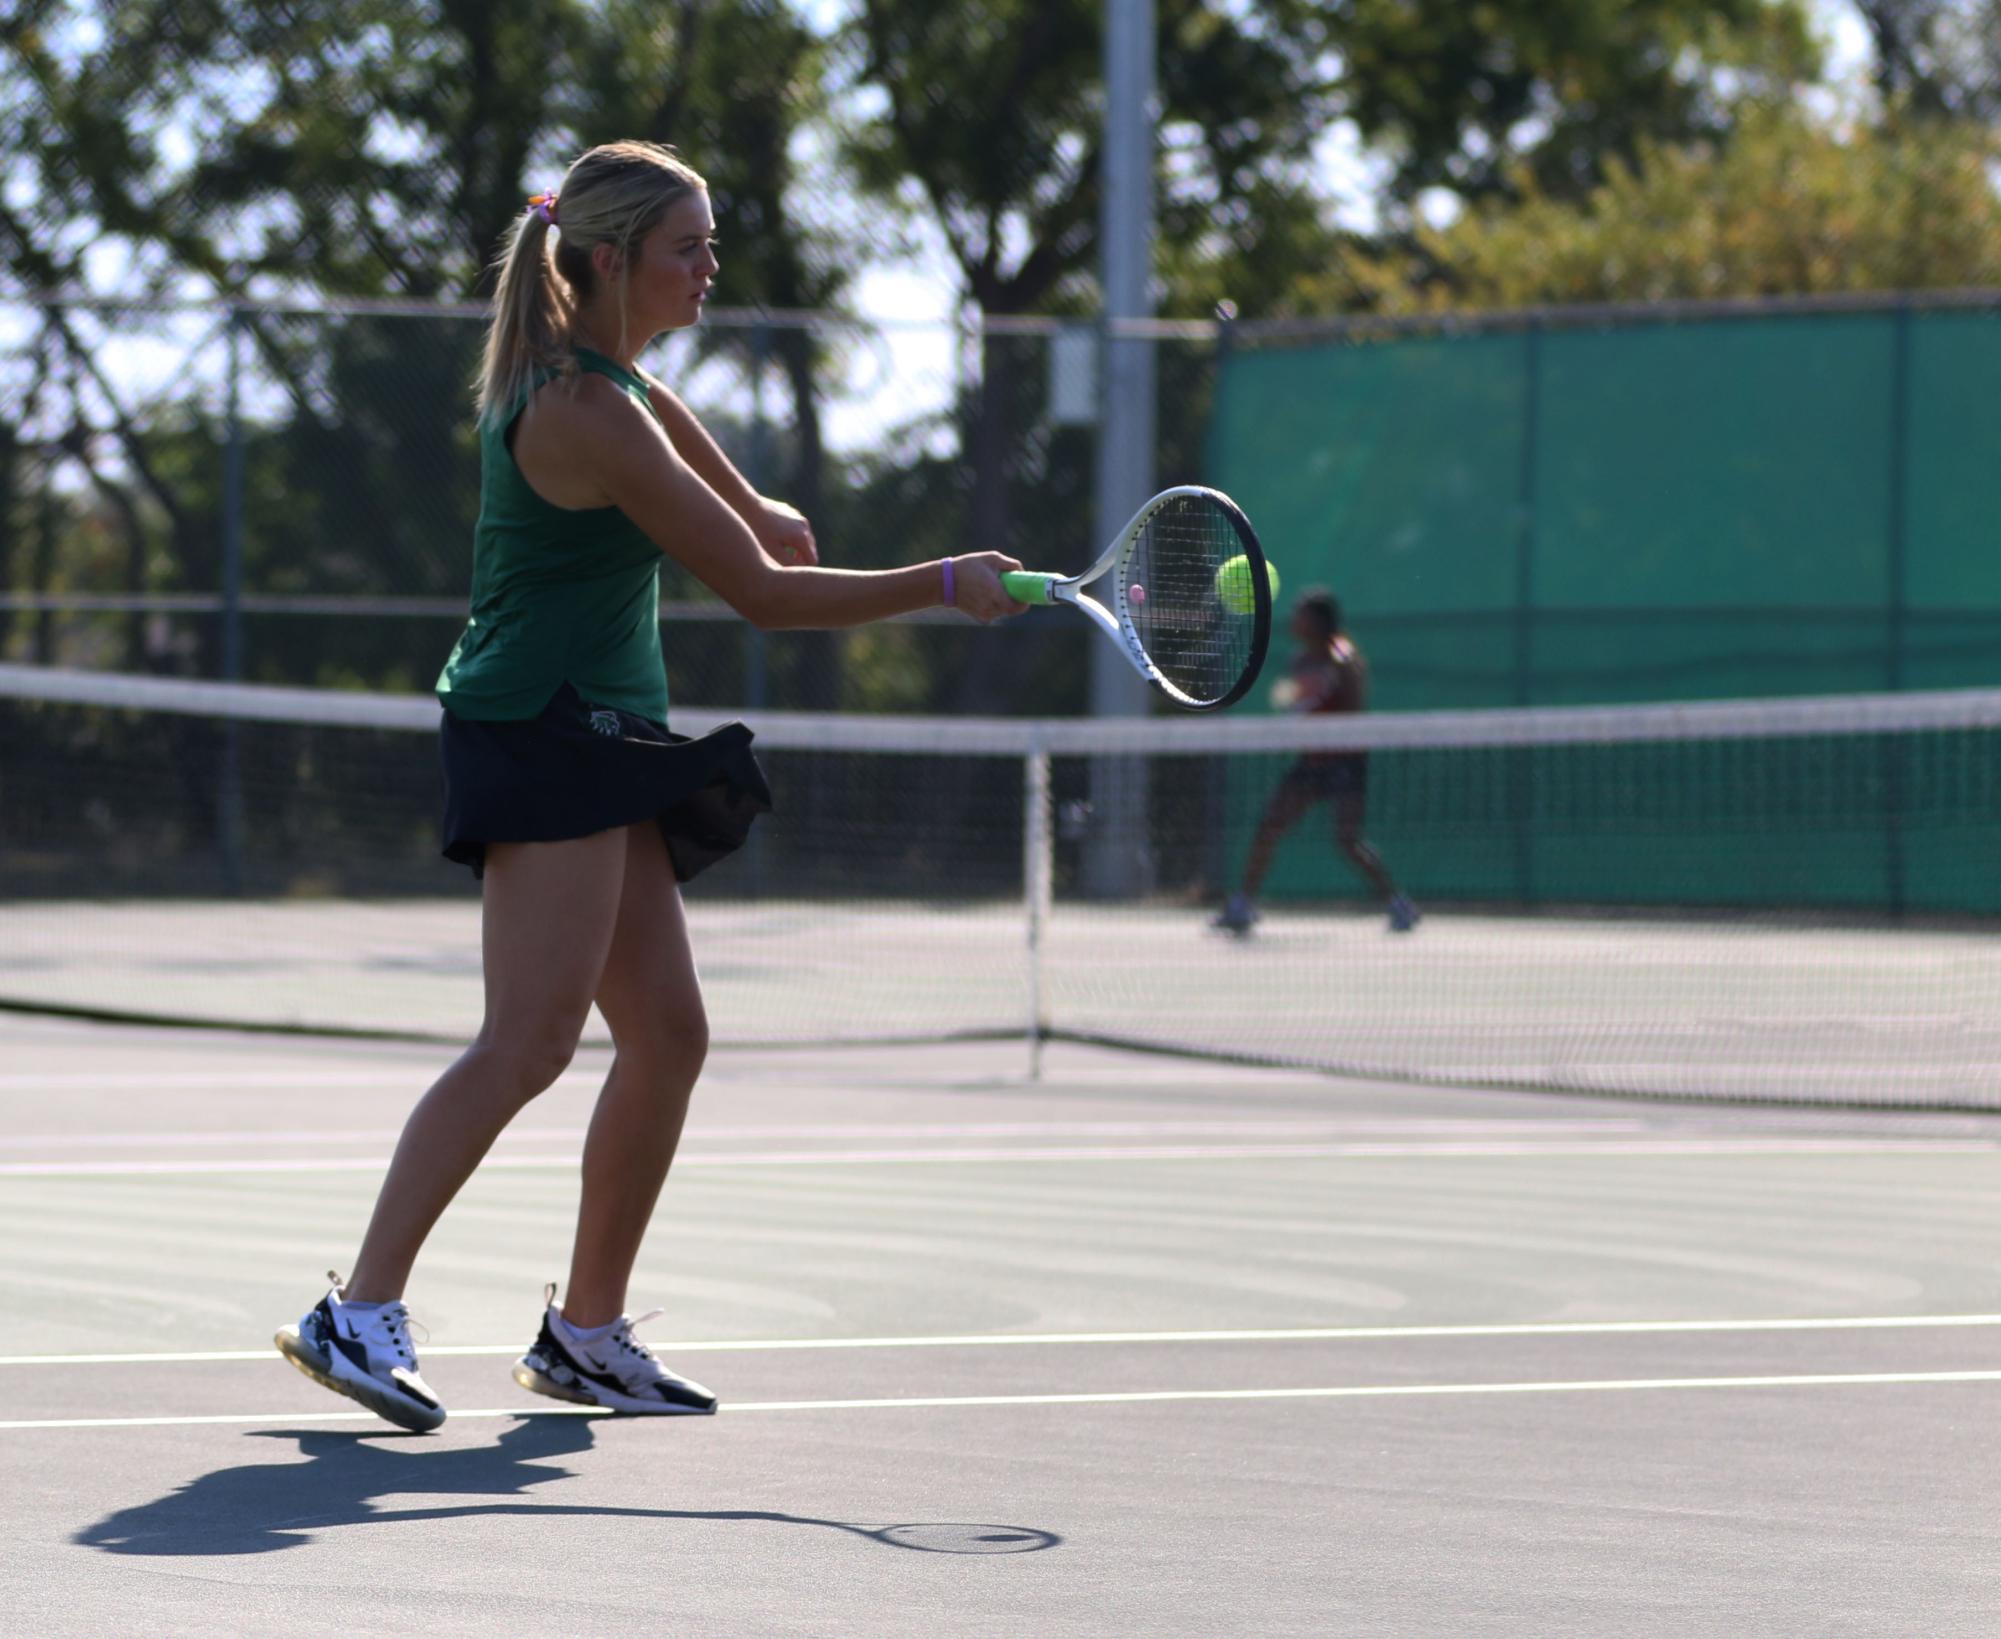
(364, 149)
(1469, 96)
(1936, 57)
(1785, 208)
(986, 118)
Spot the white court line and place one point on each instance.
(1351, 1391)
(1519, 1148)
(89, 1080)
(1466, 1127)
(991, 1340)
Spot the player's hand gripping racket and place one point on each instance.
(1187, 596)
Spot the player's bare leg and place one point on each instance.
(546, 926)
(652, 1000)
(547, 922)
(1349, 814)
(586, 1351)
(1287, 807)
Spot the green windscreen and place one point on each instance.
(1951, 631)
(1785, 504)
(1414, 449)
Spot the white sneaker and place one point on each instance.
(615, 1371)
(365, 1354)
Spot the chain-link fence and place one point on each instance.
(1637, 503)
(287, 493)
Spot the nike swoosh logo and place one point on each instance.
(604, 1380)
(357, 1355)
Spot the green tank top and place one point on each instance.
(558, 595)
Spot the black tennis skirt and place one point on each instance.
(578, 769)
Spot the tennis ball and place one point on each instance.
(1233, 584)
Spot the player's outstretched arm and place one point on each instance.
(781, 530)
(630, 461)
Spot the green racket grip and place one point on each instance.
(1026, 586)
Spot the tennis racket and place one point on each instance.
(1193, 625)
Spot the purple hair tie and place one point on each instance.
(544, 206)
(951, 591)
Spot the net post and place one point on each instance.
(1037, 886)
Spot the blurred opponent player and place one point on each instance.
(1329, 674)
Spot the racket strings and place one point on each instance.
(1199, 641)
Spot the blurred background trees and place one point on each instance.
(1316, 157)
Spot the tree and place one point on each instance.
(1936, 57)
(363, 148)
(1472, 97)
(985, 119)
(1785, 208)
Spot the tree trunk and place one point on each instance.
(44, 569)
(10, 530)
(135, 583)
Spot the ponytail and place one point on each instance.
(614, 194)
(531, 317)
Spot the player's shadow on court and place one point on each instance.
(257, 1508)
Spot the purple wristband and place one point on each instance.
(951, 591)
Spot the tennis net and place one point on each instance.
(1791, 899)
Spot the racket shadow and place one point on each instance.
(258, 1508)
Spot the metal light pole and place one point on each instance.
(1117, 860)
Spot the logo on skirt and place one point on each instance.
(605, 722)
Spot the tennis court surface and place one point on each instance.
(1150, 1345)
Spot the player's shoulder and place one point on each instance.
(587, 409)
(600, 399)
(1343, 650)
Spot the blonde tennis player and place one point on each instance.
(565, 790)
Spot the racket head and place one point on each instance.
(1202, 653)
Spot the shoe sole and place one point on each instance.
(537, 1382)
(319, 1367)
